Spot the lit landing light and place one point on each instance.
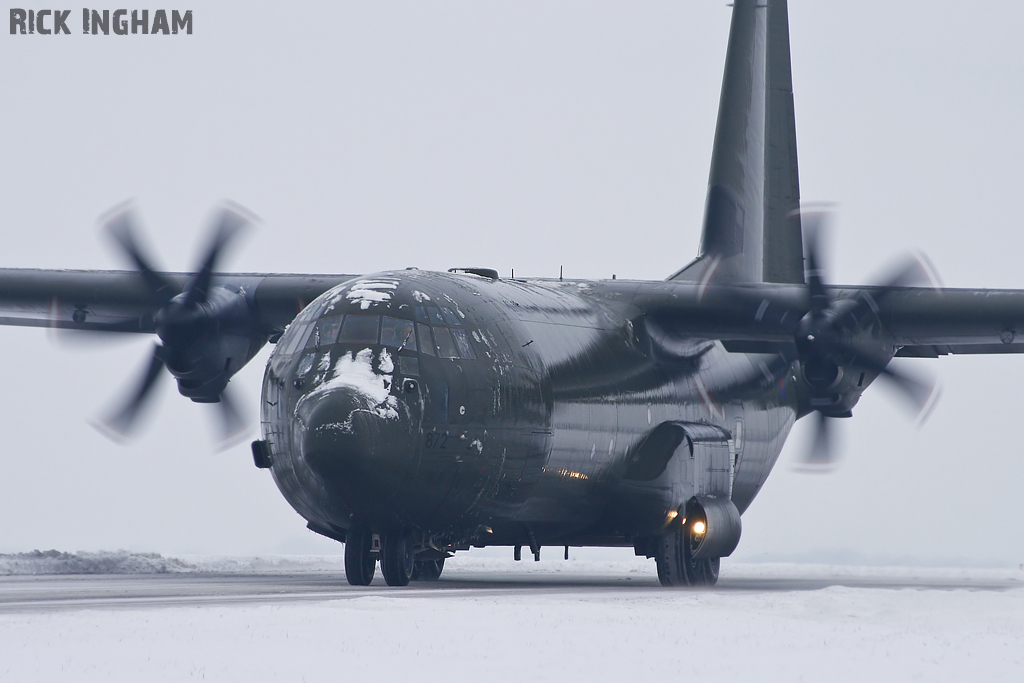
(699, 527)
(672, 514)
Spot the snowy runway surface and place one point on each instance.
(495, 620)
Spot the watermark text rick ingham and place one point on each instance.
(119, 22)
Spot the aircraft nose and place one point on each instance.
(359, 448)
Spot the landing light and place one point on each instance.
(699, 527)
(672, 514)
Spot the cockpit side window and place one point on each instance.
(450, 318)
(329, 328)
(462, 344)
(313, 340)
(360, 329)
(426, 339)
(296, 335)
(436, 318)
(445, 343)
(398, 333)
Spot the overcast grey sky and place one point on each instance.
(526, 135)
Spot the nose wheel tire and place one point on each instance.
(427, 570)
(676, 566)
(396, 561)
(359, 563)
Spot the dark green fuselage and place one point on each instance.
(538, 428)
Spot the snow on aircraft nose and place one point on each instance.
(356, 433)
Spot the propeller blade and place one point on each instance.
(919, 392)
(93, 337)
(229, 223)
(232, 423)
(822, 454)
(908, 272)
(814, 224)
(121, 227)
(120, 424)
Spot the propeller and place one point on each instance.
(826, 341)
(206, 332)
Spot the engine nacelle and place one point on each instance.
(206, 343)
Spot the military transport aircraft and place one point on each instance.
(411, 414)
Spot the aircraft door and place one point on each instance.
(710, 461)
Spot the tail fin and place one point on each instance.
(751, 233)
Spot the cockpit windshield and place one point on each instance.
(398, 333)
(359, 329)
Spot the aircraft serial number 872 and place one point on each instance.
(412, 414)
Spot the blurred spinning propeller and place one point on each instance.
(825, 340)
(205, 331)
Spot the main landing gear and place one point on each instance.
(676, 566)
(397, 555)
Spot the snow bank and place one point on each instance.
(53, 562)
(269, 564)
(39, 562)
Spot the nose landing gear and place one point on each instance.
(397, 551)
(397, 557)
(359, 560)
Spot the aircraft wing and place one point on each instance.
(927, 323)
(119, 301)
(920, 322)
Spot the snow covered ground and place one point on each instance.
(495, 620)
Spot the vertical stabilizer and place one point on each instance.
(749, 234)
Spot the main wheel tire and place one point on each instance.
(359, 562)
(694, 569)
(669, 558)
(396, 560)
(711, 568)
(428, 570)
(676, 566)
